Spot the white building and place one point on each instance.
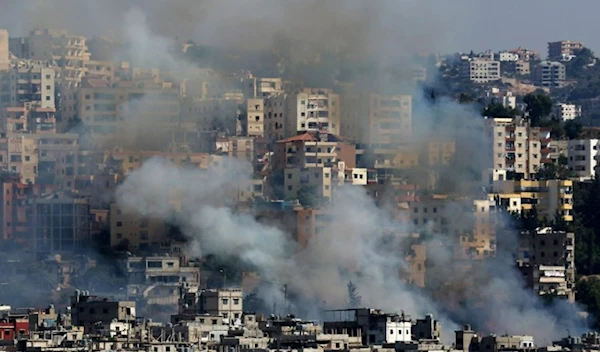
(507, 99)
(505, 56)
(582, 155)
(481, 70)
(564, 112)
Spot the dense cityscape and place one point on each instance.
(307, 189)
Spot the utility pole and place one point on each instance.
(224, 278)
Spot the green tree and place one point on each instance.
(309, 197)
(572, 129)
(498, 110)
(538, 106)
(588, 294)
(354, 299)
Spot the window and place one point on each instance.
(289, 188)
(225, 301)
(289, 176)
(105, 311)
(48, 87)
(27, 157)
(119, 224)
(47, 76)
(236, 301)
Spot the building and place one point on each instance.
(4, 52)
(563, 50)
(479, 70)
(133, 231)
(254, 118)
(313, 150)
(517, 147)
(371, 118)
(549, 197)
(547, 260)
(583, 155)
(19, 154)
(504, 56)
(550, 74)
(60, 223)
(68, 51)
(506, 98)
(565, 112)
(87, 310)
(157, 279)
(217, 303)
(310, 110)
(261, 88)
(31, 82)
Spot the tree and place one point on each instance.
(308, 197)
(538, 106)
(499, 110)
(354, 300)
(572, 129)
(588, 294)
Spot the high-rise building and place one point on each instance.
(582, 155)
(30, 82)
(480, 70)
(550, 74)
(4, 52)
(370, 118)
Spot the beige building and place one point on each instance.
(68, 51)
(254, 121)
(480, 70)
(517, 147)
(547, 259)
(141, 111)
(261, 88)
(30, 82)
(563, 49)
(309, 110)
(134, 231)
(377, 119)
(548, 197)
(227, 303)
(4, 52)
(19, 154)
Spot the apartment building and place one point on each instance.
(480, 70)
(470, 221)
(27, 118)
(310, 110)
(19, 154)
(314, 150)
(517, 147)
(504, 98)
(226, 303)
(377, 119)
(565, 112)
(547, 260)
(262, 88)
(87, 310)
(212, 114)
(60, 223)
(4, 52)
(30, 82)
(148, 110)
(563, 50)
(133, 231)
(583, 157)
(548, 197)
(68, 51)
(550, 74)
(254, 118)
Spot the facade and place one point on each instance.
(506, 99)
(4, 52)
(19, 154)
(254, 125)
(563, 50)
(479, 70)
(547, 259)
(565, 112)
(31, 82)
(583, 155)
(87, 310)
(310, 110)
(226, 303)
(517, 147)
(313, 150)
(550, 74)
(60, 223)
(261, 88)
(133, 231)
(549, 197)
(371, 118)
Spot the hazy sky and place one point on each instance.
(451, 25)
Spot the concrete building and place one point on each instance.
(87, 310)
(565, 112)
(547, 259)
(377, 119)
(212, 114)
(550, 74)
(310, 110)
(60, 223)
(4, 52)
(314, 150)
(30, 82)
(549, 197)
(517, 147)
(254, 118)
(479, 70)
(563, 50)
(583, 155)
(134, 231)
(504, 98)
(504, 56)
(68, 51)
(143, 112)
(262, 88)
(217, 303)
(19, 154)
